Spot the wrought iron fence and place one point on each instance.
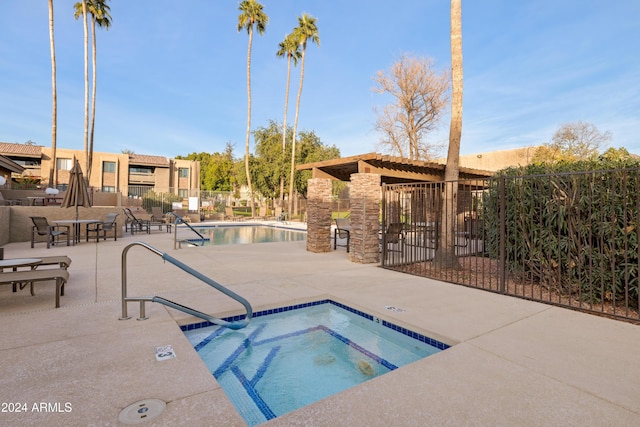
(565, 239)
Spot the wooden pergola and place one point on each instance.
(392, 170)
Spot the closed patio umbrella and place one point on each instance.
(77, 192)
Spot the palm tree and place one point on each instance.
(445, 255)
(99, 11)
(251, 13)
(306, 30)
(54, 97)
(81, 10)
(290, 48)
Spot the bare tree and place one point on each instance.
(573, 141)
(421, 98)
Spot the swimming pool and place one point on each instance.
(290, 357)
(244, 234)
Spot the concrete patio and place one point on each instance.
(512, 362)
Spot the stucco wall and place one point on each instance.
(496, 160)
(20, 222)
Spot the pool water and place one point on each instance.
(234, 235)
(291, 357)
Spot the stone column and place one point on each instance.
(365, 199)
(319, 215)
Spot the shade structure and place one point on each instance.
(77, 192)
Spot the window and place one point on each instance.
(183, 193)
(63, 164)
(108, 189)
(141, 170)
(109, 167)
(183, 173)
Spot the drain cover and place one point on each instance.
(141, 411)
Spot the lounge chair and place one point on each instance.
(134, 224)
(4, 202)
(158, 218)
(342, 231)
(62, 262)
(182, 214)
(41, 227)
(229, 215)
(101, 229)
(59, 275)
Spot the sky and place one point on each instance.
(172, 74)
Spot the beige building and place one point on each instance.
(129, 174)
(495, 160)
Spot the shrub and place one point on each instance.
(572, 227)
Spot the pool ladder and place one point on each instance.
(125, 299)
(177, 244)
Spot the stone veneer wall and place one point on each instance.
(365, 218)
(319, 215)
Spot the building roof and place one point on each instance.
(142, 159)
(21, 150)
(391, 169)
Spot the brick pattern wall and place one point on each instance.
(365, 199)
(319, 215)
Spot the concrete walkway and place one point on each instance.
(512, 362)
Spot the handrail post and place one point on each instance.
(143, 314)
(123, 280)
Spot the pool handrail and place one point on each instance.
(125, 298)
(178, 219)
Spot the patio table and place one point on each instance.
(76, 226)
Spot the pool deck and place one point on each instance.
(512, 362)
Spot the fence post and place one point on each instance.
(501, 260)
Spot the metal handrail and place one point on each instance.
(231, 325)
(175, 232)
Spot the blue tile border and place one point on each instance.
(411, 334)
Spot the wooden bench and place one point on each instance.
(59, 275)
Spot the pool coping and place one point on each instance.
(510, 359)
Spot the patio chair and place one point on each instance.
(160, 219)
(157, 215)
(342, 231)
(101, 229)
(52, 233)
(134, 224)
(394, 234)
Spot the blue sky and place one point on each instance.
(172, 74)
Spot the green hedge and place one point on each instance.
(572, 227)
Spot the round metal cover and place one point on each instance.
(141, 411)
